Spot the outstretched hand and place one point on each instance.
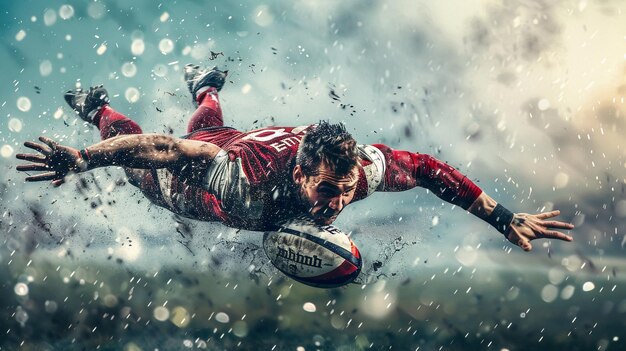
(526, 227)
(54, 160)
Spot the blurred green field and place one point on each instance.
(52, 303)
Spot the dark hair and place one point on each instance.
(328, 143)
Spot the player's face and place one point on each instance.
(326, 194)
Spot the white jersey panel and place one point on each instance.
(375, 171)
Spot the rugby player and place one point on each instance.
(255, 179)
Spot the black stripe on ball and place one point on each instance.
(345, 254)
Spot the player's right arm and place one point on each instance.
(186, 158)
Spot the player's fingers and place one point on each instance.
(31, 157)
(520, 241)
(44, 149)
(557, 224)
(524, 244)
(41, 177)
(553, 234)
(58, 182)
(548, 214)
(51, 143)
(33, 167)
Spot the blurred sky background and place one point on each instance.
(525, 97)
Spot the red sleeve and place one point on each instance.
(406, 170)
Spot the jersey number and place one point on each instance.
(270, 134)
(266, 134)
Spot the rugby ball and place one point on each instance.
(319, 256)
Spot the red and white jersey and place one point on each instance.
(249, 184)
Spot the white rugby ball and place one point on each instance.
(319, 256)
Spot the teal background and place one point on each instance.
(525, 97)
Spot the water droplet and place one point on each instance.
(21, 316)
(101, 49)
(435, 221)
(164, 17)
(166, 46)
(131, 346)
(567, 292)
(556, 276)
(549, 293)
(543, 104)
(58, 113)
(110, 300)
(161, 313)
(318, 340)
(337, 322)
(263, 16)
(15, 125)
(309, 307)
(467, 255)
(512, 294)
(137, 47)
(378, 305)
(6, 151)
(20, 35)
(96, 10)
(50, 306)
(45, 68)
(21, 289)
(560, 180)
(588, 286)
(23, 104)
(66, 12)
(49, 17)
(222, 317)
(572, 262)
(240, 329)
(246, 88)
(132, 95)
(180, 317)
(129, 69)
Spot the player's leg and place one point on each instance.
(112, 123)
(93, 106)
(208, 113)
(204, 86)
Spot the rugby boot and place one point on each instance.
(199, 80)
(87, 103)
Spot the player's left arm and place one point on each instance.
(405, 170)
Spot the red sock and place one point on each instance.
(112, 123)
(209, 112)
